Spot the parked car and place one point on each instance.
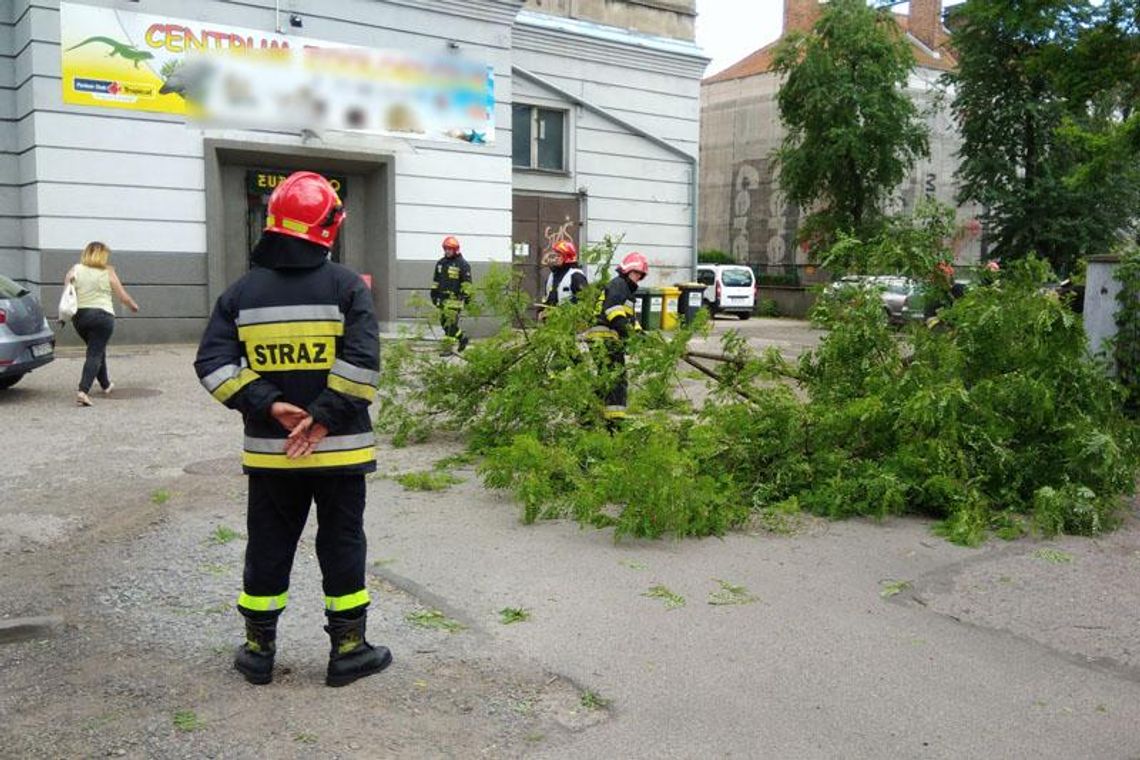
(26, 339)
(729, 289)
(903, 298)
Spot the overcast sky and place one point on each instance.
(728, 30)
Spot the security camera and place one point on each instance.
(296, 21)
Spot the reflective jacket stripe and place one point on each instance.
(289, 330)
(228, 380)
(263, 603)
(621, 310)
(311, 461)
(350, 388)
(328, 443)
(597, 332)
(354, 373)
(316, 312)
(348, 601)
(353, 380)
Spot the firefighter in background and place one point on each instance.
(616, 320)
(293, 345)
(566, 278)
(451, 289)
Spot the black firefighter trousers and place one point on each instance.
(278, 508)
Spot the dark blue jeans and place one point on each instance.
(95, 327)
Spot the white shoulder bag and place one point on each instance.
(68, 300)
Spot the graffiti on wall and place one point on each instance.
(763, 223)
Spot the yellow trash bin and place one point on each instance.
(670, 300)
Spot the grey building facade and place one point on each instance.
(596, 110)
(742, 211)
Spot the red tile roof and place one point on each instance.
(760, 62)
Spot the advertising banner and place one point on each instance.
(247, 78)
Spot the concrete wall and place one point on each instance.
(1099, 315)
(634, 116)
(742, 211)
(14, 57)
(663, 18)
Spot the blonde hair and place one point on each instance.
(96, 255)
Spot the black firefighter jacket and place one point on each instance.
(301, 329)
(452, 281)
(616, 307)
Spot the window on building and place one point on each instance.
(539, 138)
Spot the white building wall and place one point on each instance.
(137, 180)
(635, 185)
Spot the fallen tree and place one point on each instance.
(992, 419)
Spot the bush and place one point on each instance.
(714, 256)
(766, 307)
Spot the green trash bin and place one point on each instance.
(654, 303)
(641, 307)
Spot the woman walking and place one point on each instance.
(95, 280)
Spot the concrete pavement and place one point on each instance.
(1006, 651)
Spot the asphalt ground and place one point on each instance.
(852, 639)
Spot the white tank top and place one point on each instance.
(93, 288)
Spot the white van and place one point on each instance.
(729, 289)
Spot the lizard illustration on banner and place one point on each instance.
(128, 52)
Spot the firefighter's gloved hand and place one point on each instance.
(304, 438)
(288, 416)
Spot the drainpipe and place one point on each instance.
(664, 144)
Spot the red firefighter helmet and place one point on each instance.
(451, 243)
(634, 262)
(567, 252)
(306, 206)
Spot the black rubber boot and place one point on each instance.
(351, 656)
(254, 658)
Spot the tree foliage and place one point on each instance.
(852, 131)
(1044, 94)
(990, 418)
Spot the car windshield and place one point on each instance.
(736, 278)
(9, 289)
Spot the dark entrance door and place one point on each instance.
(537, 220)
(260, 184)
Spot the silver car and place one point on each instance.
(26, 339)
(902, 296)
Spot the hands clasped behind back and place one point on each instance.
(304, 433)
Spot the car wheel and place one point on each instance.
(8, 382)
(743, 315)
(711, 307)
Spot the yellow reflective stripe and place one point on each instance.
(233, 385)
(289, 330)
(350, 388)
(293, 224)
(600, 333)
(614, 414)
(319, 459)
(348, 601)
(263, 603)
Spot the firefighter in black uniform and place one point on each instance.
(451, 289)
(566, 278)
(616, 319)
(293, 346)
